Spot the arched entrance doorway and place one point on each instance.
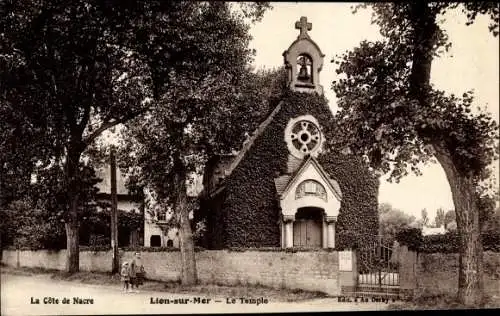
(308, 227)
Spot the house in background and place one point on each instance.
(158, 231)
(426, 231)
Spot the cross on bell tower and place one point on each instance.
(304, 60)
(303, 26)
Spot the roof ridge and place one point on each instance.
(322, 172)
(249, 143)
(296, 172)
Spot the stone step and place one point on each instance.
(378, 290)
(372, 289)
(377, 287)
(373, 296)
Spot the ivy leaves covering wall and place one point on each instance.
(249, 215)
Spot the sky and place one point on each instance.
(471, 63)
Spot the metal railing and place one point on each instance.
(376, 266)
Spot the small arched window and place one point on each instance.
(311, 188)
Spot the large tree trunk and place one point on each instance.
(189, 275)
(72, 238)
(470, 284)
(72, 224)
(470, 273)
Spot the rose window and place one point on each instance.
(305, 136)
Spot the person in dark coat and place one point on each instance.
(136, 272)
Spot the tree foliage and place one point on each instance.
(392, 221)
(36, 220)
(218, 125)
(377, 105)
(199, 84)
(439, 219)
(393, 115)
(393, 130)
(424, 217)
(17, 159)
(75, 70)
(64, 70)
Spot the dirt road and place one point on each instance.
(40, 295)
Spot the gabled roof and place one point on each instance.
(308, 39)
(281, 183)
(249, 143)
(246, 147)
(334, 186)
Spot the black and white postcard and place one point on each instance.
(248, 157)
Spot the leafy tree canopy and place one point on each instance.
(392, 220)
(393, 115)
(439, 219)
(74, 70)
(384, 121)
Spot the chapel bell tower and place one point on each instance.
(303, 61)
(309, 198)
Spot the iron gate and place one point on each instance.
(378, 265)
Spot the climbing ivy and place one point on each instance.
(248, 213)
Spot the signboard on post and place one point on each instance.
(345, 260)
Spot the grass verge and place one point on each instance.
(433, 299)
(213, 290)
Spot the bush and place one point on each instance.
(491, 240)
(136, 249)
(450, 242)
(446, 243)
(27, 226)
(410, 237)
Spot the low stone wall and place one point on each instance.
(438, 272)
(309, 270)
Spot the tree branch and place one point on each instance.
(85, 119)
(89, 139)
(425, 32)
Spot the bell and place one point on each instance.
(303, 75)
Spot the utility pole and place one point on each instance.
(114, 213)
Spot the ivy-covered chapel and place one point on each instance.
(287, 187)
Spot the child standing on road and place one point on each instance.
(125, 276)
